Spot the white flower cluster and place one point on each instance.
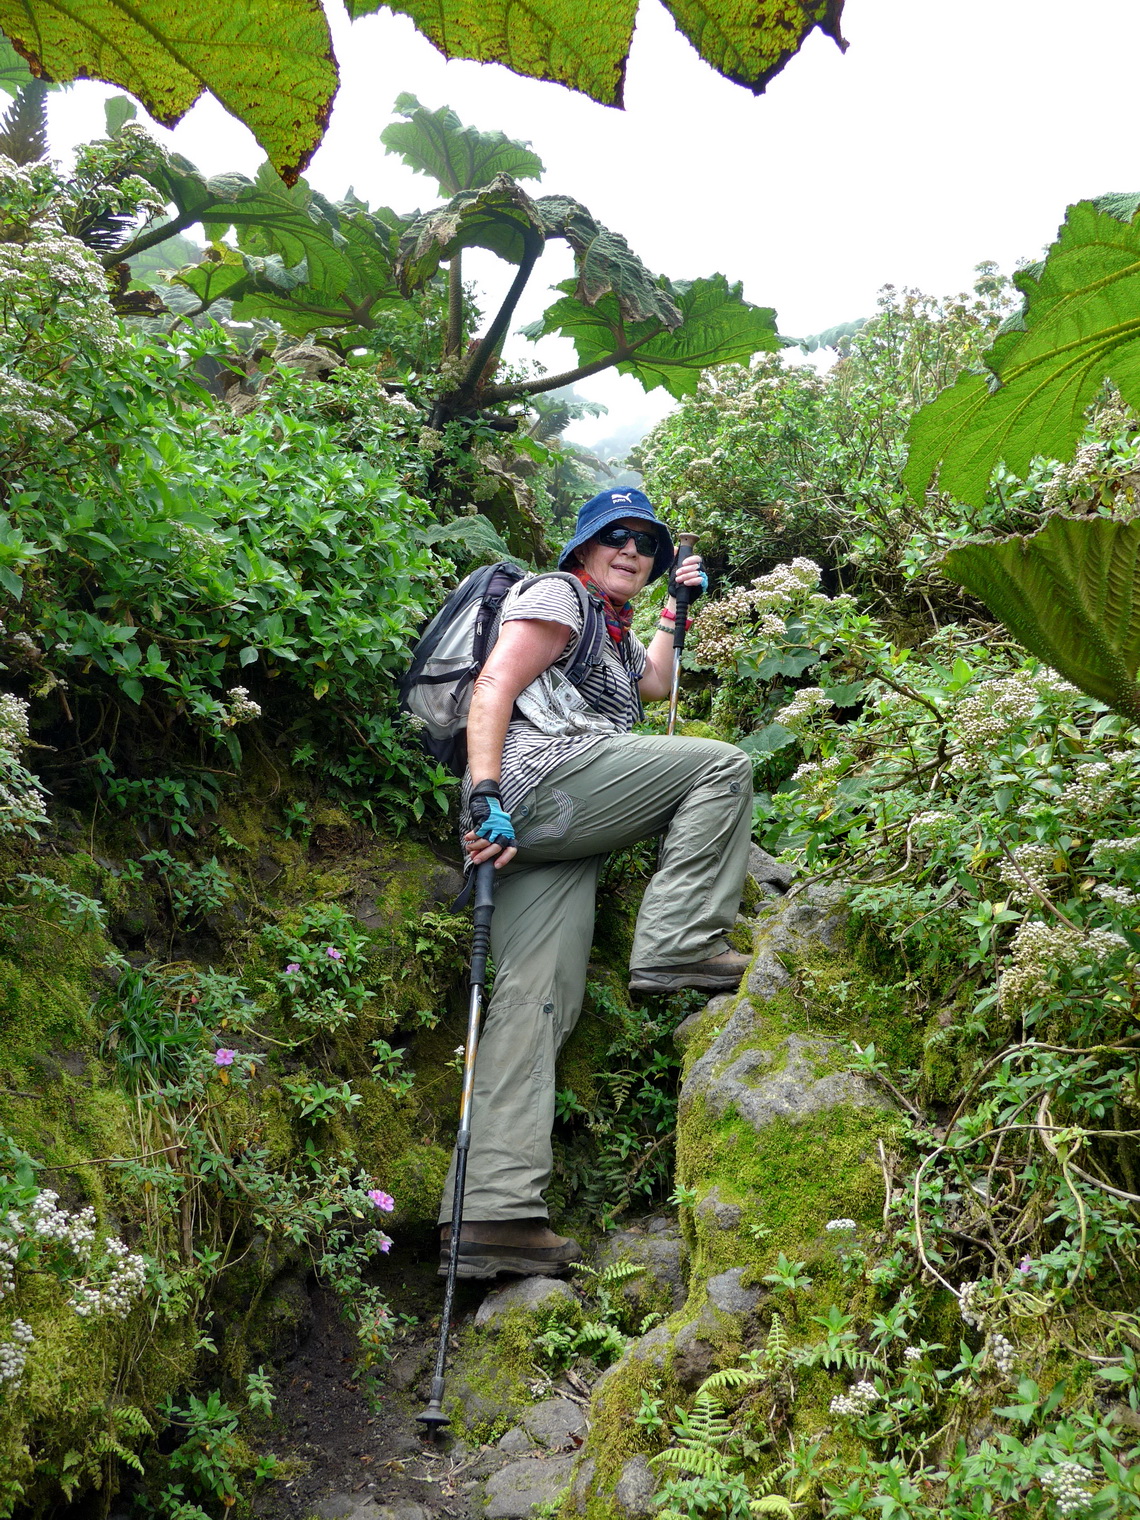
(760, 607)
(999, 706)
(1114, 852)
(242, 708)
(430, 440)
(14, 1353)
(22, 799)
(53, 301)
(1003, 1353)
(1067, 1483)
(968, 1305)
(9, 1251)
(817, 778)
(934, 821)
(1031, 866)
(1040, 948)
(13, 722)
(55, 1226)
(857, 1402)
(1091, 792)
(115, 1294)
(807, 701)
(1119, 895)
(912, 1354)
(119, 1278)
(841, 1224)
(190, 539)
(1092, 459)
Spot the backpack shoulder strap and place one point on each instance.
(588, 651)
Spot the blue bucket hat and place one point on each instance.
(612, 506)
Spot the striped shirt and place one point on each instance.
(609, 688)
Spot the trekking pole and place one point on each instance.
(685, 544)
(433, 1416)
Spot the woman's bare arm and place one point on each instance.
(524, 649)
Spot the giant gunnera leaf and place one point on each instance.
(585, 43)
(457, 157)
(1071, 593)
(1079, 326)
(500, 217)
(717, 326)
(269, 62)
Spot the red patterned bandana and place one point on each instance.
(618, 618)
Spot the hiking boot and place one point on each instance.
(719, 974)
(525, 1247)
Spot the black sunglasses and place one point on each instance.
(618, 536)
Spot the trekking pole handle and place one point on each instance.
(483, 908)
(686, 542)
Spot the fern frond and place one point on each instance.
(619, 1272)
(772, 1504)
(732, 1377)
(699, 1464)
(130, 1419)
(778, 1345)
(704, 1425)
(767, 1483)
(107, 1446)
(592, 1332)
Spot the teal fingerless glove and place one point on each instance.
(491, 822)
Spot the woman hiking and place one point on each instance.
(556, 782)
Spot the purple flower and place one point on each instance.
(385, 1244)
(224, 1057)
(292, 968)
(1024, 1264)
(382, 1200)
(334, 954)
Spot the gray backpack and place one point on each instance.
(452, 649)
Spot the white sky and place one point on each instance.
(945, 135)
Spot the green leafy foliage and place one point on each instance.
(586, 46)
(606, 265)
(1078, 328)
(273, 70)
(614, 1143)
(14, 70)
(148, 577)
(1071, 593)
(500, 217)
(750, 43)
(457, 157)
(775, 460)
(276, 72)
(717, 327)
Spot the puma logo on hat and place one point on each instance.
(616, 496)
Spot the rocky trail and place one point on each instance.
(365, 1456)
(774, 1137)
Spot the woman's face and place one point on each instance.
(621, 573)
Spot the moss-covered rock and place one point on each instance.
(776, 1137)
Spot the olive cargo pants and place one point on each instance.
(630, 787)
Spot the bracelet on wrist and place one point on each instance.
(670, 627)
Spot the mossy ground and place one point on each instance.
(93, 1385)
